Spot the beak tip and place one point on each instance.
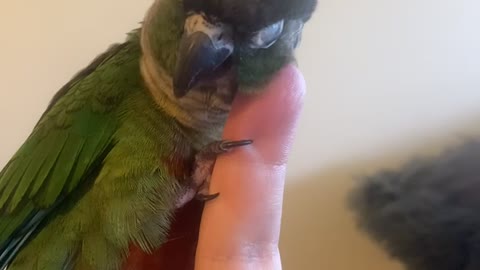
(197, 56)
(178, 93)
(180, 90)
(182, 83)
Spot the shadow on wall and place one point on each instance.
(319, 230)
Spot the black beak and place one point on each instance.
(198, 56)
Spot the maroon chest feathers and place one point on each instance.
(179, 162)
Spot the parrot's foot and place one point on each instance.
(204, 162)
(212, 150)
(206, 198)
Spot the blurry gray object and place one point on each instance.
(427, 213)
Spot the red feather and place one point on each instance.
(178, 253)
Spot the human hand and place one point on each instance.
(240, 229)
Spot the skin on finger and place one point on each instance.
(240, 229)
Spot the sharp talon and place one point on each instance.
(204, 162)
(206, 198)
(227, 145)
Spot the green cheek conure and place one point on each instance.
(134, 136)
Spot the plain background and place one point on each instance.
(386, 79)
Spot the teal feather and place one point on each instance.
(11, 223)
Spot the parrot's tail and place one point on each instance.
(427, 214)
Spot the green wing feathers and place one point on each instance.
(71, 138)
(87, 182)
(47, 165)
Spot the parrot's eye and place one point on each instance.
(267, 36)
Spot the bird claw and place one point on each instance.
(206, 198)
(226, 146)
(220, 147)
(204, 162)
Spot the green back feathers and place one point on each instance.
(70, 140)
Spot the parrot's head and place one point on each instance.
(211, 49)
(252, 38)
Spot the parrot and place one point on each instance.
(425, 213)
(134, 136)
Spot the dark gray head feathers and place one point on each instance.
(252, 15)
(426, 214)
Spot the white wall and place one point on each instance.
(383, 76)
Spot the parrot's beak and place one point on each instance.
(203, 49)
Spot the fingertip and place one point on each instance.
(244, 222)
(270, 117)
